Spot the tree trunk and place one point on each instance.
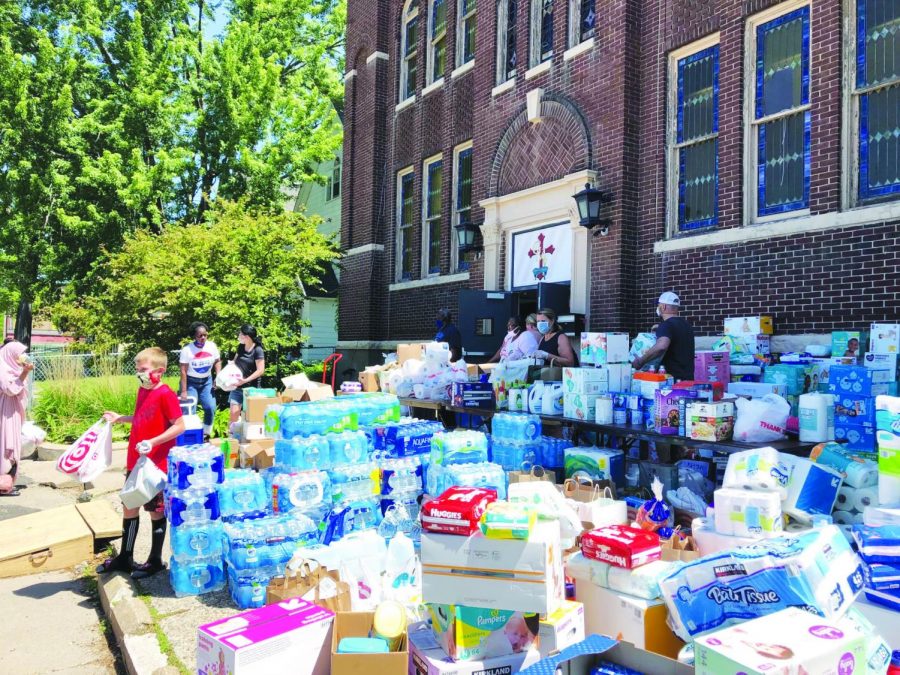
(23, 323)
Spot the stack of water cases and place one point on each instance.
(192, 507)
(515, 441)
(460, 458)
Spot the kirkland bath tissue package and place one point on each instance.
(759, 469)
(812, 489)
(817, 570)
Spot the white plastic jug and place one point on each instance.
(535, 397)
(552, 399)
(816, 418)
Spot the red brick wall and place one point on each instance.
(836, 278)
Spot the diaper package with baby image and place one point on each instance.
(816, 570)
(474, 634)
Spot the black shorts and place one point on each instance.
(155, 505)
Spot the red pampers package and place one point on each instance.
(621, 546)
(457, 511)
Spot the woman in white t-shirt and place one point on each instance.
(200, 363)
(525, 343)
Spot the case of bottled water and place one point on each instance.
(201, 540)
(516, 427)
(401, 475)
(350, 517)
(192, 505)
(406, 438)
(458, 447)
(348, 447)
(195, 466)
(308, 492)
(248, 588)
(553, 451)
(196, 575)
(267, 542)
(303, 453)
(515, 455)
(481, 474)
(242, 494)
(354, 482)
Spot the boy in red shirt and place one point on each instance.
(155, 425)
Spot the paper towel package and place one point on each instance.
(595, 463)
(710, 542)
(857, 472)
(759, 469)
(641, 582)
(812, 490)
(789, 641)
(745, 513)
(817, 569)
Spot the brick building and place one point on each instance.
(750, 148)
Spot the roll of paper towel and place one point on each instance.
(759, 469)
(812, 490)
(858, 473)
(888, 489)
(865, 497)
(845, 497)
(846, 517)
(744, 513)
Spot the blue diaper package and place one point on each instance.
(890, 599)
(878, 544)
(884, 578)
(817, 571)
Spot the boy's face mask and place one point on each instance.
(148, 378)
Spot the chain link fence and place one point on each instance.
(50, 366)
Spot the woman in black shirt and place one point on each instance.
(251, 361)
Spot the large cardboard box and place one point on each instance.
(507, 574)
(749, 325)
(625, 617)
(475, 634)
(369, 380)
(359, 624)
(314, 391)
(427, 658)
(621, 654)
(562, 629)
(293, 636)
(255, 407)
(415, 350)
(258, 454)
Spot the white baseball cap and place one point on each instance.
(669, 298)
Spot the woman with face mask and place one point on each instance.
(513, 331)
(15, 365)
(251, 361)
(554, 347)
(200, 363)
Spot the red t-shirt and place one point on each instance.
(155, 411)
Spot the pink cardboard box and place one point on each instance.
(712, 367)
(290, 636)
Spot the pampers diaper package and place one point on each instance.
(759, 469)
(473, 634)
(817, 570)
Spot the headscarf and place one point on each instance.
(10, 368)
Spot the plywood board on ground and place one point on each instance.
(102, 518)
(44, 541)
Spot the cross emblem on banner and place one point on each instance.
(543, 254)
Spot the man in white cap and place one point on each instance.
(674, 340)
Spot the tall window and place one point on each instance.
(506, 40)
(334, 180)
(693, 142)
(409, 40)
(780, 124)
(462, 190)
(876, 95)
(405, 219)
(541, 31)
(465, 47)
(437, 40)
(582, 20)
(432, 216)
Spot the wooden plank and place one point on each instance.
(102, 518)
(44, 541)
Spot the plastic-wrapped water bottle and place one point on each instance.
(245, 547)
(481, 474)
(196, 576)
(195, 466)
(242, 493)
(300, 454)
(202, 540)
(401, 475)
(306, 491)
(248, 589)
(458, 447)
(353, 482)
(193, 505)
(348, 447)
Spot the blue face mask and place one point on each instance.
(543, 327)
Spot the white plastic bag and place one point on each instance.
(761, 420)
(228, 377)
(90, 455)
(32, 436)
(144, 482)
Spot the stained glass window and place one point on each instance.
(878, 94)
(405, 221)
(438, 39)
(433, 188)
(587, 19)
(546, 22)
(506, 40)
(696, 139)
(464, 191)
(467, 31)
(782, 114)
(409, 50)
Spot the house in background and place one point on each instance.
(321, 307)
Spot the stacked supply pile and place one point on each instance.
(855, 389)
(460, 458)
(887, 419)
(747, 340)
(552, 452)
(425, 372)
(515, 441)
(860, 482)
(192, 507)
(490, 570)
(878, 543)
(607, 372)
(404, 438)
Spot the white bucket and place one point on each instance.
(816, 418)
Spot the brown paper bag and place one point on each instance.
(676, 548)
(311, 580)
(537, 473)
(586, 490)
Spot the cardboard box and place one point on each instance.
(292, 636)
(855, 437)
(603, 348)
(712, 367)
(562, 629)
(787, 641)
(478, 395)
(884, 338)
(625, 617)
(258, 454)
(887, 362)
(854, 410)
(505, 574)
(620, 654)
(359, 624)
(313, 391)
(755, 344)
(427, 658)
(255, 407)
(230, 450)
(668, 409)
(756, 389)
(585, 380)
(475, 634)
(251, 432)
(748, 325)
(369, 381)
(578, 406)
(709, 421)
(841, 343)
(415, 350)
(856, 380)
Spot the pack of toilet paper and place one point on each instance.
(759, 469)
(641, 582)
(746, 513)
(709, 541)
(817, 571)
(812, 489)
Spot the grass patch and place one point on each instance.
(164, 645)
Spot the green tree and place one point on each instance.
(122, 116)
(242, 265)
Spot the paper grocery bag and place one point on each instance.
(596, 503)
(318, 585)
(677, 548)
(587, 490)
(537, 473)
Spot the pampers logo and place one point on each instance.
(492, 622)
(745, 595)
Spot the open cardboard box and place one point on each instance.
(300, 388)
(255, 408)
(258, 454)
(581, 657)
(359, 624)
(415, 350)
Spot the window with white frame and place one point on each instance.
(405, 219)
(541, 31)
(334, 180)
(409, 41)
(437, 40)
(693, 137)
(779, 129)
(462, 190)
(876, 100)
(465, 28)
(582, 20)
(506, 40)
(431, 215)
